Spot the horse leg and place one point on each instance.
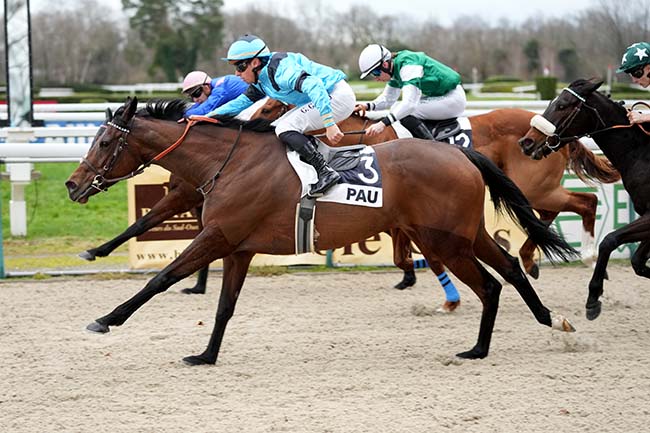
(585, 205)
(173, 203)
(402, 258)
(459, 258)
(638, 230)
(527, 250)
(640, 258)
(202, 275)
(487, 250)
(235, 268)
(208, 246)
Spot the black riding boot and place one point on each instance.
(327, 177)
(416, 127)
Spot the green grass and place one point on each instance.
(57, 228)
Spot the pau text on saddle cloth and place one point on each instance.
(360, 186)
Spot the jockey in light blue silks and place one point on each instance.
(321, 95)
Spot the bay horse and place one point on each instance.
(581, 110)
(250, 198)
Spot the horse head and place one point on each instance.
(271, 110)
(575, 112)
(109, 158)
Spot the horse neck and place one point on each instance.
(199, 155)
(621, 146)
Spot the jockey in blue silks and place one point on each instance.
(321, 95)
(209, 93)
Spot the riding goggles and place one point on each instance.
(242, 65)
(196, 92)
(637, 72)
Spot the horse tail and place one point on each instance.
(589, 167)
(506, 196)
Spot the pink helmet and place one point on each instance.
(195, 78)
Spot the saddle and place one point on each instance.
(443, 129)
(339, 158)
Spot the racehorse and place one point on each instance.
(495, 135)
(581, 110)
(251, 194)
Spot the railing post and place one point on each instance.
(20, 174)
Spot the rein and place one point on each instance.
(213, 180)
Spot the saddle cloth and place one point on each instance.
(360, 183)
(453, 131)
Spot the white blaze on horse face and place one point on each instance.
(542, 125)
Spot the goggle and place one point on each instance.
(242, 65)
(637, 72)
(198, 91)
(376, 72)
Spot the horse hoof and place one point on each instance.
(193, 291)
(448, 307)
(560, 323)
(408, 281)
(534, 271)
(196, 360)
(472, 354)
(97, 328)
(87, 255)
(593, 311)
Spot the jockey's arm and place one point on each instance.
(238, 104)
(386, 99)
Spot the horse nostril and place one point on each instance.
(71, 186)
(525, 142)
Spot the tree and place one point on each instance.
(531, 51)
(178, 32)
(568, 58)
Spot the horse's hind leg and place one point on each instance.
(459, 258)
(507, 266)
(402, 258)
(202, 275)
(235, 268)
(527, 250)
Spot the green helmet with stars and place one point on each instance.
(635, 55)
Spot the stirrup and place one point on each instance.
(324, 184)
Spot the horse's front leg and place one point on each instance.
(636, 231)
(208, 246)
(527, 250)
(640, 258)
(235, 268)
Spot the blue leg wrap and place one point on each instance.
(420, 263)
(451, 293)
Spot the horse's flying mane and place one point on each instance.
(174, 109)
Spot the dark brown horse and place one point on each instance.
(581, 110)
(251, 194)
(496, 135)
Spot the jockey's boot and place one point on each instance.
(416, 127)
(327, 177)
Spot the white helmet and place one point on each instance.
(194, 79)
(371, 57)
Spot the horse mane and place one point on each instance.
(174, 109)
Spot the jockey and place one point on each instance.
(208, 94)
(430, 89)
(635, 62)
(321, 95)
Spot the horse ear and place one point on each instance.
(594, 84)
(131, 107)
(109, 114)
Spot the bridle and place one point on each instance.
(554, 141)
(100, 181)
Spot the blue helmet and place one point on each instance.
(247, 47)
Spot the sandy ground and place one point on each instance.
(339, 352)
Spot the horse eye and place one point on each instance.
(265, 111)
(103, 143)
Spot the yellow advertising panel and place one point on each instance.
(159, 246)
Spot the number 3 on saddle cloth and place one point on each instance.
(360, 185)
(456, 131)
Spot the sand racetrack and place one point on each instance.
(331, 352)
